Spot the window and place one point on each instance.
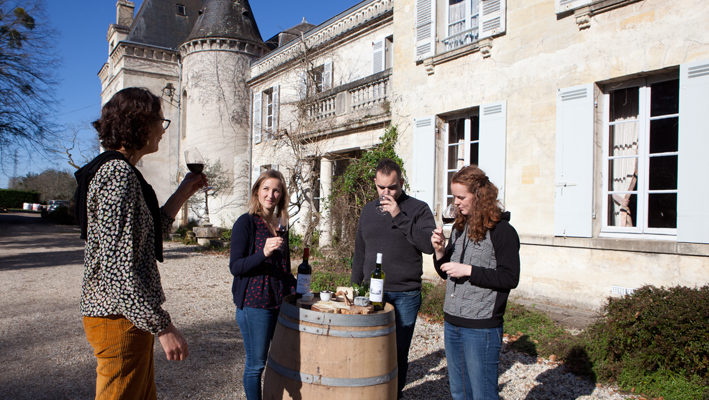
(462, 26)
(268, 122)
(265, 114)
(462, 146)
(382, 52)
(641, 156)
(315, 80)
(181, 10)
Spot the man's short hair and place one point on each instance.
(386, 166)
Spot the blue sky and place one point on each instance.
(81, 27)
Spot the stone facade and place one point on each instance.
(529, 90)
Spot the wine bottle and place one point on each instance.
(304, 273)
(376, 285)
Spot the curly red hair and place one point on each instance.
(486, 211)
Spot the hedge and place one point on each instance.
(11, 198)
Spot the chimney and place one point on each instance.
(124, 12)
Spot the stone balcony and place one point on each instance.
(355, 105)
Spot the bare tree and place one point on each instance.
(27, 81)
(220, 182)
(50, 184)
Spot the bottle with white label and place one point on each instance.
(304, 274)
(376, 285)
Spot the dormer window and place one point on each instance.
(181, 10)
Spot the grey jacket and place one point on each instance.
(479, 301)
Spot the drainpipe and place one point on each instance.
(179, 116)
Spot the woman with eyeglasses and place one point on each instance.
(123, 225)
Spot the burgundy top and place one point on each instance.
(268, 289)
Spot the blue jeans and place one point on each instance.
(257, 326)
(472, 355)
(406, 307)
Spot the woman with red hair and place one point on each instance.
(480, 266)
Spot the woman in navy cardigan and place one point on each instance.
(260, 263)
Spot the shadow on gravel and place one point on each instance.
(431, 389)
(549, 388)
(212, 371)
(41, 259)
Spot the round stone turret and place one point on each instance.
(216, 100)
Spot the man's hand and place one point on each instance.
(173, 343)
(389, 204)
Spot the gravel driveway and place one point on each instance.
(44, 354)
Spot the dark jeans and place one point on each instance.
(406, 306)
(473, 356)
(257, 326)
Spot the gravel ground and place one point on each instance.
(44, 354)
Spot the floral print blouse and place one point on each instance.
(121, 276)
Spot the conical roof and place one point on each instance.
(226, 19)
(163, 23)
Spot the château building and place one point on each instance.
(586, 113)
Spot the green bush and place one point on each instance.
(226, 235)
(432, 297)
(328, 280)
(10, 198)
(653, 331)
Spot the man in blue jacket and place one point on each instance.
(398, 226)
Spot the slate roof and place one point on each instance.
(226, 19)
(158, 22)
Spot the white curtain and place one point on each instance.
(624, 171)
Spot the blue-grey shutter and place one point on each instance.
(425, 29)
(257, 118)
(378, 56)
(493, 144)
(693, 163)
(327, 76)
(276, 106)
(573, 200)
(423, 161)
(493, 19)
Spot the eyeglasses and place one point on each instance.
(165, 123)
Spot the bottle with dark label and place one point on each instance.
(304, 273)
(376, 285)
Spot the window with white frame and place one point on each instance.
(268, 122)
(462, 146)
(462, 23)
(641, 153)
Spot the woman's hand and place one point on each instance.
(192, 183)
(456, 270)
(173, 343)
(189, 186)
(439, 242)
(272, 244)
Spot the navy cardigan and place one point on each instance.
(244, 261)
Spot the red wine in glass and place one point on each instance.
(194, 160)
(195, 167)
(449, 214)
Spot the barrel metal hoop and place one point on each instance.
(325, 331)
(325, 381)
(316, 317)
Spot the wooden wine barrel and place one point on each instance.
(317, 355)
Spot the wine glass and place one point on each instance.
(282, 230)
(380, 208)
(194, 160)
(449, 214)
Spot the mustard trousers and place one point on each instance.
(124, 353)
